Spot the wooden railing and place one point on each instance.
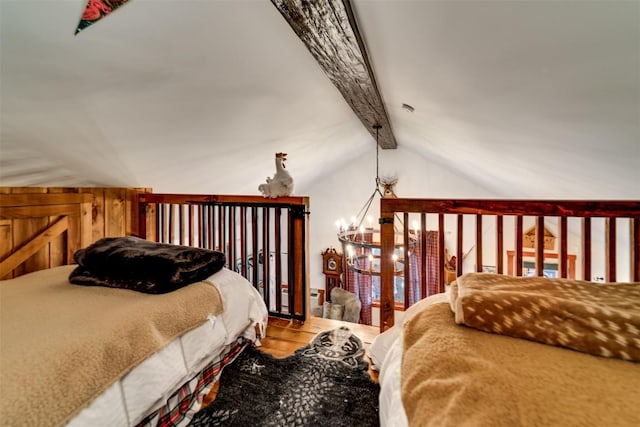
(602, 229)
(265, 240)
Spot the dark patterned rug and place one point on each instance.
(323, 384)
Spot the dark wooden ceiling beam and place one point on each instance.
(329, 30)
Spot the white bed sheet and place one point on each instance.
(386, 353)
(146, 388)
(392, 412)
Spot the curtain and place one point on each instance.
(431, 267)
(361, 284)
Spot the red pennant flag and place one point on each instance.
(96, 10)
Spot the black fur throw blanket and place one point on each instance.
(143, 266)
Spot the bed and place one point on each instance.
(115, 355)
(79, 369)
(495, 349)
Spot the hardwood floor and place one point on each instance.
(285, 337)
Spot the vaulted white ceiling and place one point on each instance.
(196, 96)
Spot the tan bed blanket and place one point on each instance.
(61, 345)
(597, 318)
(458, 376)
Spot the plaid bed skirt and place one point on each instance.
(187, 400)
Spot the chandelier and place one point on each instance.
(360, 239)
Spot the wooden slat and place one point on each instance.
(182, 224)
(610, 250)
(211, 210)
(296, 263)
(213, 222)
(190, 218)
(243, 240)
(405, 261)
(221, 229)
(163, 217)
(499, 244)
(212, 199)
(459, 243)
(39, 211)
(202, 228)
(171, 221)
(231, 230)
(634, 240)
(479, 243)
(114, 212)
(254, 246)
(100, 220)
(131, 208)
(328, 28)
(278, 258)
(539, 246)
(27, 229)
(519, 241)
(24, 229)
(441, 254)
(57, 247)
(74, 236)
(33, 246)
(578, 208)
(148, 222)
(86, 216)
(266, 244)
(35, 199)
(423, 256)
(6, 243)
(563, 248)
(586, 248)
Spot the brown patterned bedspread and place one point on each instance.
(62, 345)
(458, 376)
(602, 319)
